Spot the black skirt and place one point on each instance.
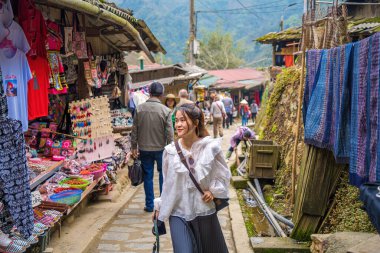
(201, 235)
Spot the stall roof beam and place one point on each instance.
(90, 9)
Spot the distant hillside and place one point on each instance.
(169, 20)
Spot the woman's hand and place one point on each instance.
(208, 197)
(155, 215)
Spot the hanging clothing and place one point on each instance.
(327, 121)
(16, 74)
(38, 87)
(34, 26)
(289, 60)
(17, 36)
(6, 12)
(14, 179)
(365, 108)
(342, 107)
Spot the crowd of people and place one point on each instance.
(171, 132)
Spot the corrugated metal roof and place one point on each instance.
(238, 74)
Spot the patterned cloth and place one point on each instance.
(14, 180)
(365, 108)
(341, 105)
(3, 99)
(326, 100)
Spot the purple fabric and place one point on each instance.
(238, 136)
(342, 108)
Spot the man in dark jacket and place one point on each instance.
(152, 131)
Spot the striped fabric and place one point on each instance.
(341, 107)
(364, 165)
(202, 235)
(326, 100)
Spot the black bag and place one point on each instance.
(158, 230)
(136, 173)
(219, 203)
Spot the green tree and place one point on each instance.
(162, 59)
(219, 51)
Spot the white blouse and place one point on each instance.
(179, 195)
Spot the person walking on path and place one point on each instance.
(193, 221)
(229, 106)
(241, 134)
(152, 130)
(254, 110)
(244, 112)
(184, 98)
(217, 112)
(171, 102)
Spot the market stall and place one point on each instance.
(62, 77)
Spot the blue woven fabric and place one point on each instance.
(365, 109)
(342, 107)
(326, 100)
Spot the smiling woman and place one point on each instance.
(191, 211)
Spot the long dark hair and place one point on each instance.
(195, 114)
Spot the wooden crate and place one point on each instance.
(263, 158)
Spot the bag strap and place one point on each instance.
(183, 160)
(220, 109)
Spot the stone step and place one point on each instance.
(278, 245)
(371, 245)
(239, 182)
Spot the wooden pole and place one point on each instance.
(300, 98)
(192, 33)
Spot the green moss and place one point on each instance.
(287, 77)
(347, 214)
(364, 20)
(234, 170)
(247, 214)
(288, 34)
(274, 128)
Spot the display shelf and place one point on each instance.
(84, 195)
(45, 175)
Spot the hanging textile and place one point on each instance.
(341, 107)
(14, 178)
(34, 26)
(326, 101)
(289, 60)
(3, 100)
(365, 152)
(38, 88)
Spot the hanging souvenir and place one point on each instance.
(67, 49)
(79, 40)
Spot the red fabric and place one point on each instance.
(289, 60)
(54, 38)
(34, 26)
(38, 100)
(257, 98)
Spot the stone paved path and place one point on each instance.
(130, 231)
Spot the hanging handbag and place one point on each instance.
(219, 203)
(79, 40)
(67, 33)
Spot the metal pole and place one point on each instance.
(192, 33)
(267, 212)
